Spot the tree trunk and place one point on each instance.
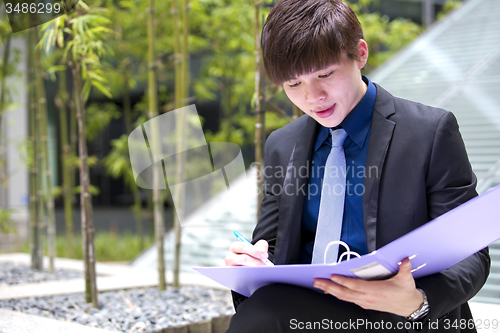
(157, 172)
(85, 197)
(44, 163)
(36, 260)
(67, 186)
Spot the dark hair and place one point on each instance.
(303, 36)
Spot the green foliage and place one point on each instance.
(84, 46)
(274, 121)
(5, 28)
(384, 37)
(98, 117)
(108, 246)
(10, 68)
(94, 190)
(117, 163)
(224, 32)
(25, 149)
(448, 6)
(74, 161)
(6, 222)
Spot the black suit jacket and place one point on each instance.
(416, 169)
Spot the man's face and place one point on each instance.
(328, 95)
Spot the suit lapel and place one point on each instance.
(289, 229)
(294, 191)
(382, 130)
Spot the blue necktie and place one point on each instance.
(331, 207)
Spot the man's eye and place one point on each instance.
(294, 85)
(326, 75)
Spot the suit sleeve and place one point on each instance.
(449, 183)
(267, 224)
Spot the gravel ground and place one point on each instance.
(134, 310)
(12, 273)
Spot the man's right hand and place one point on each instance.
(243, 254)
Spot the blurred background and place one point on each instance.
(93, 75)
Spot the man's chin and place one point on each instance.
(328, 122)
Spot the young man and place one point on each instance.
(406, 165)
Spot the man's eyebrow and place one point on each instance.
(315, 70)
(290, 79)
(326, 67)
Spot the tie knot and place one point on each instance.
(338, 137)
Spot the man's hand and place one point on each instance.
(397, 295)
(243, 254)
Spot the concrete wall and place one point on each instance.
(14, 132)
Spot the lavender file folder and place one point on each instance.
(434, 247)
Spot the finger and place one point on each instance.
(233, 259)
(338, 291)
(405, 267)
(352, 284)
(248, 249)
(263, 246)
(404, 272)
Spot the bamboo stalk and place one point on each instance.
(181, 92)
(296, 112)
(73, 136)
(66, 169)
(258, 109)
(45, 193)
(180, 193)
(36, 262)
(85, 197)
(4, 179)
(185, 52)
(157, 175)
(137, 207)
(40, 162)
(177, 55)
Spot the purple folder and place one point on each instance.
(432, 248)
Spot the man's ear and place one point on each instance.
(363, 53)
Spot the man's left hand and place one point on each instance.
(397, 294)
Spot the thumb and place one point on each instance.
(262, 245)
(405, 267)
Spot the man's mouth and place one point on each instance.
(326, 112)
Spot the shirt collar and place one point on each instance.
(358, 121)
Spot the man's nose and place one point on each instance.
(315, 93)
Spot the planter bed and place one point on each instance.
(189, 309)
(12, 273)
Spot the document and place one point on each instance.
(432, 248)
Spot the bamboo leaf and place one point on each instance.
(102, 89)
(86, 90)
(94, 190)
